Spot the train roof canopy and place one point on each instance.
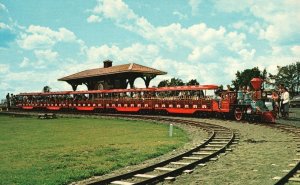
(112, 77)
(125, 68)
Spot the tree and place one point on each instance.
(243, 78)
(164, 83)
(176, 82)
(46, 89)
(289, 76)
(193, 82)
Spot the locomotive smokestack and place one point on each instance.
(107, 63)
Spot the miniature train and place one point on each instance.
(199, 100)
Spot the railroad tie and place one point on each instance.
(180, 163)
(212, 145)
(164, 169)
(192, 158)
(146, 176)
(209, 149)
(122, 183)
(218, 139)
(188, 171)
(218, 142)
(294, 179)
(202, 153)
(170, 178)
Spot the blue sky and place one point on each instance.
(41, 41)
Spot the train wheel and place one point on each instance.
(238, 114)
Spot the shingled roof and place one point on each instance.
(125, 68)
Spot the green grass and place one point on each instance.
(60, 151)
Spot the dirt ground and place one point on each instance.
(262, 153)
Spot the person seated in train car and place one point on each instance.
(190, 94)
(217, 96)
(201, 94)
(247, 95)
(121, 95)
(181, 94)
(240, 95)
(229, 89)
(196, 95)
(134, 95)
(142, 96)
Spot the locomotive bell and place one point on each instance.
(256, 83)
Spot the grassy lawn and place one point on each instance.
(64, 150)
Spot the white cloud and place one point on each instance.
(180, 15)
(136, 53)
(278, 20)
(194, 4)
(175, 36)
(93, 19)
(116, 9)
(3, 7)
(4, 68)
(199, 53)
(46, 55)
(240, 25)
(296, 50)
(4, 26)
(25, 62)
(44, 37)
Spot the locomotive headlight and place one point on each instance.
(249, 111)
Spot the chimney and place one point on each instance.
(107, 63)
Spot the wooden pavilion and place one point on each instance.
(112, 77)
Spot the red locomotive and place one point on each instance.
(200, 100)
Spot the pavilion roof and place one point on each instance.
(125, 68)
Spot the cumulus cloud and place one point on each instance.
(4, 68)
(47, 55)
(44, 37)
(135, 53)
(93, 19)
(174, 35)
(25, 62)
(278, 20)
